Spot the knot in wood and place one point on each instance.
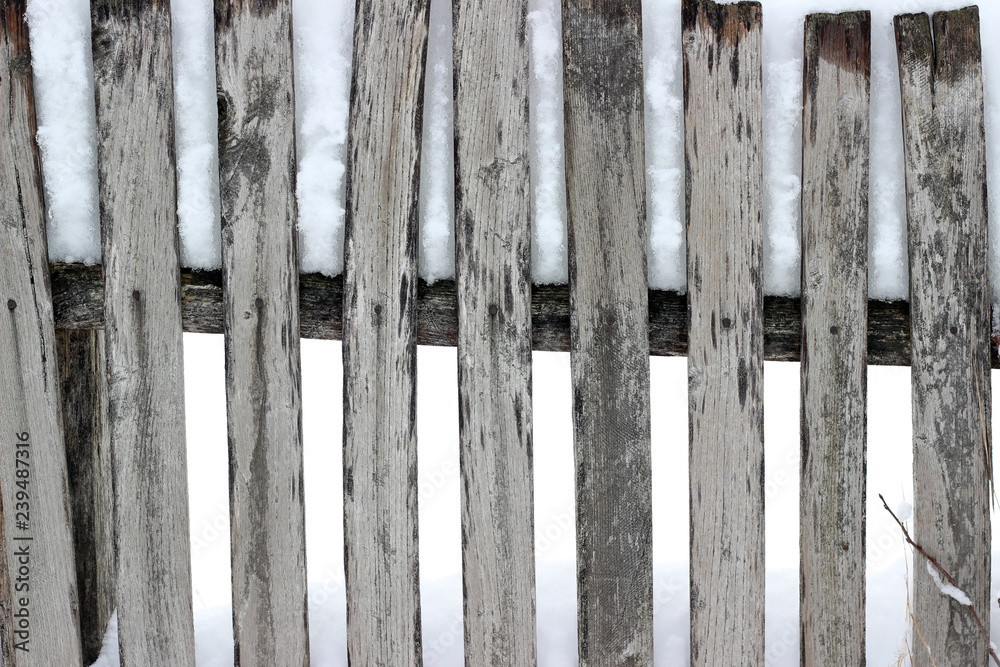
(726, 323)
(612, 319)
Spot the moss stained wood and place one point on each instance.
(834, 333)
(31, 401)
(143, 336)
(723, 160)
(945, 165)
(261, 325)
(493, 267)
(609, 343)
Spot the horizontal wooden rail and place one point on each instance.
(78, 295)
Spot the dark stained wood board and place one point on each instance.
(609, 344)
(253, 49)
(88, 458)
(143, 337)
(835, 144)
(78, 293)
(724, 164)
(380, 333)
(493, 282)
(39, 612)
(945, 161)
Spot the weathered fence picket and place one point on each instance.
(88, 460)
(136, 180)
(837, 69)
(493, 285)
(38, 595)
(723, 151)
(945, 161)
(609, 343)
(261, 311)
(380, 337)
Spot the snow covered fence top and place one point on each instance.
(322, 50)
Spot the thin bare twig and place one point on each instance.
(944, 573)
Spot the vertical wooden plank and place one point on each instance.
(945, 160)
(493, 281)
(261, 319)
(380, 344)
(136, 177)
(38, 594)
(836, 79)
(605, 185)
(722, 150)
(88, 457)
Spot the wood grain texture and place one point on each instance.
(136, 185)
(88, 456)
(380, 336)
(78, 294)
(722, 153)
(39, 607)
(945, 162)
(253, 48)
(609, 343)
(493, 281)
(836, 82)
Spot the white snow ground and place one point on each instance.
(889, 470)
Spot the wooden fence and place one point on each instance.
(92, 469)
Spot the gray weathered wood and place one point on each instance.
(493, 279)
(722, 127)
(88, 457)
(609, 344)
(837, 71)
(136, 177)
(380, 334)
(39, 622)
(945, 161)
(78, 294)
(261, 313)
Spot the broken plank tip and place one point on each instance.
(728, 22)
(842, 39)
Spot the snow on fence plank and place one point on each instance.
(493, 280)
(380, 337)
(261, 321)
(722, 123)
(835, 141)
(39, 624)
(606, 203)
(88, 457)
(136, 180)
(944, 153)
